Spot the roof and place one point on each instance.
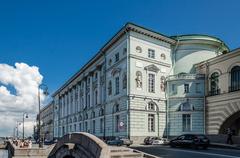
(127, 27)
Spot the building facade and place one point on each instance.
(127, 88)
(222, 91)
(46, 118)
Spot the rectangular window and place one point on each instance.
(117, 122)
(186, 88)
(186, 122)
(151, 123)
(117, 57)
(94, 126)
(86, 127)
(96, 97)
(117, 85)
(151, 83)
(198, 88)
(173, 89)
(75, 127)
(151, 53)
(101, 125)
(70, 128)
(80, 127)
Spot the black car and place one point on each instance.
(190, 140)
(119, 141)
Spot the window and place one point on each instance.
(117, 57)
(138, 49)
(101, 125)
(94, 126)
(75, 127)
(110, 88)
(109, 62)
(151, 83)
(151, 53)
(96, 97)
(88, 99)
(151, 106)
(86, 126)
(124, 51)
(124, 81)
(186, 122)
(235, 79)
(117, 121)
(214, 84)
(163, 56)
(186, 88)
(80, 127)
(116, 85)
(151, 123)
(101, 112)
(70, 128)
(117, 108)
(173, 88)
(198, 88)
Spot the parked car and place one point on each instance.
(149, 140)
(119, 141)
(190, 140)
(160, 141)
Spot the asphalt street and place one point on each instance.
(168, 152)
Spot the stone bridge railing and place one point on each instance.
(80, 145)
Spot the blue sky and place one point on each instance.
(61, 36)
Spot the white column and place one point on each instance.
(84, 92)
(99, 87)
(91, 90)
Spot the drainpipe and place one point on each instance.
(205, 93)
(128, 87)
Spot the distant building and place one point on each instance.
(46, 117)
(222, 89)
(140, 83)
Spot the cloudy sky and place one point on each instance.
(59, 37)
(18, 94)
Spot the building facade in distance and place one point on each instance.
(46, 118)
(222, 91)
(137, 82)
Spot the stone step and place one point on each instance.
(126, 155)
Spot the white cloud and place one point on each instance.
(25, 80)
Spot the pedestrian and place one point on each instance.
(229, 136)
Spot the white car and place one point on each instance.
(160, 141)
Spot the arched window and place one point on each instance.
(235, 78)
(110, 88)
(214, 89)
(151, 106)
(101, 112)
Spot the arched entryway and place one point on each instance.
(232, 122)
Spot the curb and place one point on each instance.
(224, 146)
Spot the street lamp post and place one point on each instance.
(45, 92)
(24, 115)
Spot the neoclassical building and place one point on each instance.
(222, 91)
(140, 83)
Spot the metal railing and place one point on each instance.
(185, 76)
(214, 92)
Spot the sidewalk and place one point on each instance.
(226, 146)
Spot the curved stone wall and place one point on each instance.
(80, 145)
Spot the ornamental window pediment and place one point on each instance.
(115, 71)
(152, 68)
(186, 106)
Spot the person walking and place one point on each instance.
(229, 138)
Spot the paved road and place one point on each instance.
(3, 154)
(168, 152)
